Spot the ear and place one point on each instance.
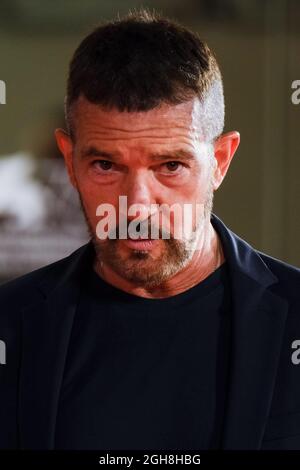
(65, 145)
(224, 148)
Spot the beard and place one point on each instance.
(140, 267)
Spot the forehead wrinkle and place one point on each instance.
(166, 149)
(170, 117)
(103, 130)
(94, 136)
(126, 139)
(145, 128)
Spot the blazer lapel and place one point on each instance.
(258, 320)
(46, 333)
(257, 331)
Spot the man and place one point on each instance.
(144, 342)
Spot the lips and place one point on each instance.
(140, 243)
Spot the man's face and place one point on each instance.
(154, 157)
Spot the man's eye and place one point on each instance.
(172, 166)
(103, 164)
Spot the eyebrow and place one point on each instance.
(179, 154)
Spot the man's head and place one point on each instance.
(145, 113)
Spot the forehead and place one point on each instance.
(182, 119)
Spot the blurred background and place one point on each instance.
(257, 44)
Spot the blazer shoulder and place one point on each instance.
(288, 275)
(280, 267)
(24, 290)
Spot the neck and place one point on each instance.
(206, 259)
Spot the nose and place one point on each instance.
(139, 197)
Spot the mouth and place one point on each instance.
(140, 243)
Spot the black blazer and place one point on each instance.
(263, 406)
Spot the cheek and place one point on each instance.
(92, 196)
(91, 193)
(203, 183)
(195, 191)
(192, 201)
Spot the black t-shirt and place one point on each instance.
(146, 373)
